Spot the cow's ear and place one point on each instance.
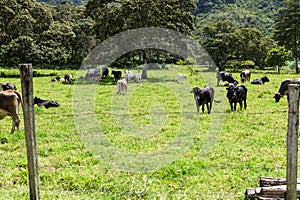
(191, 91)
(227, 88)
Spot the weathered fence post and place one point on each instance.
(29, 123)
(292, 142)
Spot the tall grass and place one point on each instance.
(214, 165)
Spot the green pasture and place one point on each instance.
(194, 161)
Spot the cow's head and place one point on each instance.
(231, 92)
(197, 92)
(277, 96)
(265, 79)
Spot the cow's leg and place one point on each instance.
(245, 104)
(15, 122)
(235, 106)
(231, 106)
(208, 108)
(203, 108)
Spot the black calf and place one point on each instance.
(237, 94)
(203, 96)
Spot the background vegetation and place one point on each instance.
(60, 34)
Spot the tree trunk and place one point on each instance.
(296, 50)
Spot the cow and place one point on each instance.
(138, 77)
(117, 74)
(68, 78)
(130, 75)
(10, 101)
(122, 85)
(283, 90)
(237, 94)
(225, 76)
(203, 96)
(46, 103)
(8, 86)
(54, 79)
(105, 72)
(181, 78)
(245, 75)
(93, 75)
(261, 80)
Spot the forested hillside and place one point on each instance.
(235, 33)
(244, 13)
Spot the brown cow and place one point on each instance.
(9, 106)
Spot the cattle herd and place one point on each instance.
(10, 99)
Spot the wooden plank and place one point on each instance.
(29, 124)
(268, 181)
(292, 142)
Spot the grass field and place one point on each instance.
(147, 144)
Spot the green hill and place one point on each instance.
(244, 13)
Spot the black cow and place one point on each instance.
(117, 74)
(237, 94)
(203, 96)
(225, 76)
(261, 80)
(46, 103)
(105, 72)
(8, 86)
(283, 90)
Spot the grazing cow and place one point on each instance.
(117, 74)
(105, 72)
(9, 106)
(68, 78)
(261, 80)
(122, 85)
(225, 76)
(283, 90)
(138, 77)
(8, 86)
(245, 75)
(93, 75)
(237, 94)
(46, 103)
(203, 96)
(181, 78)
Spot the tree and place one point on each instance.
(287, 32)
(277, 57)
(20, 50)
(112, 18)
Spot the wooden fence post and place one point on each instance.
(292, 142)
(29, 123)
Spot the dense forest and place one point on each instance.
(61, 33)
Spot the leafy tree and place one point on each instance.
(56, 44)
(277, 57)
(20, 50)
(287, 31)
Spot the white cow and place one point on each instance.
(138, 77)
(122, 85)
(181, 77)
